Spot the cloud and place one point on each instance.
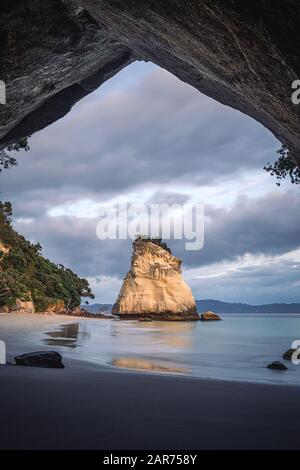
(255, 280)
(265, 226)
(157, 131)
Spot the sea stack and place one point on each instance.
(154, 287)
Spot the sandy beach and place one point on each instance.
(87, 406)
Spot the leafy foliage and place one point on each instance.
(284, 166)
(156, 241)
(26, 274)
(6, 161)
(5, 213)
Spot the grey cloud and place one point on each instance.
(167, 197)
(72, 242)
(267, 225)
(277, 281)
(158, 131)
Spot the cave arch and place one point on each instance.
(243, 54)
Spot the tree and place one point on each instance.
(6, 161)
(25, 274)
(5, 213)
(284, 166)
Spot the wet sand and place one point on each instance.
(86, 406)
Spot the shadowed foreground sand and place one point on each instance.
(87, 407)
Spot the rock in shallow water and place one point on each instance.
(277, 365)
(210, 316)
(154, 288)
(50, 359)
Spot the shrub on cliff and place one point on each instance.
(6, 160)
(284, 167)
(156, 241)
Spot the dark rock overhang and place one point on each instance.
(243, 54)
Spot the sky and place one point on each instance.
(148, 137)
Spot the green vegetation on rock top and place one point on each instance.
(156, 241)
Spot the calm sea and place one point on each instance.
(237, 348)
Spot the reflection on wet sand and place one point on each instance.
(142, 364)
(176, 334)
(68, 343)
(131, 345)
(66, 335)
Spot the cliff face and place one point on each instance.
(25, 306)
(154, 287)
(243, 54)
(3, 248)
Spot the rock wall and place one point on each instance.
(154, 287)
(25, 306)
(21, 306)
(4, 249)
(243, 54)
(56, 306)
(52, 54)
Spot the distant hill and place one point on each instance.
(219, 307)
(227, 307)
(95, 308)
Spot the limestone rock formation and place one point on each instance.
(55, 307)
(210, 316)
(25, 306)
(243, 54)
(154, 287)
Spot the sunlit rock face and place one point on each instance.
(25, 306)
(154, 287)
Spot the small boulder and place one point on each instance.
(288, 354)
(277, 365)
(50, 359)
(5, 309)
(209, 316)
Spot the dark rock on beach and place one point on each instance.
(209, 316)
(277, 365)
(81, 312)
(50, 359)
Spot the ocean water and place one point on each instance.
(237, 348)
